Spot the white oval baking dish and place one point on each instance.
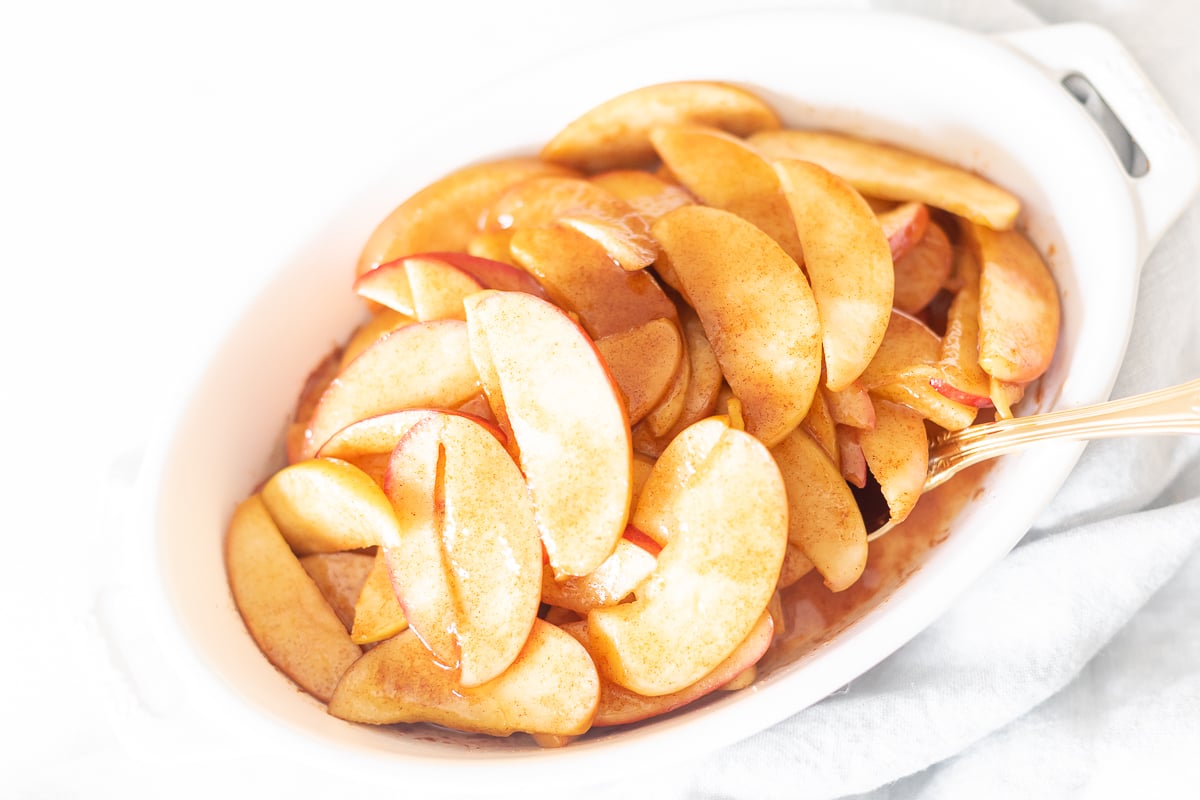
(995, 105)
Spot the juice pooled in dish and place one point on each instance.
(607, 402)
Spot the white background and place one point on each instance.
(153, 162)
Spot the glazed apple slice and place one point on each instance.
(851, 406)
(849, 265)
(616, 133)
(492, 245)
(648, 194)
(653, 433)
(643, 361)
(1004, 396)
(923, 270)
(795, 566)
(897, 453)
(426, 289)
(340, 577)
(426, 365)
(724, 172)
(723, 554)
(378, 614)
(444, 215)
(620, 706)
(324, 505)
(1018, 305)
(905, 367)
(564, 419)
(551, 687)
(579, 276)
(610, 583)
(381, 323)
(584, 206)
(284, 611)
(757, 310)
(851, 460)
(820, 425)
(964, 381)
(823, 517)
(887, 172)
(470, 581)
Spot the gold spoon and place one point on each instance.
(1172, 410)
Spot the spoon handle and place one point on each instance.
(1172, 410)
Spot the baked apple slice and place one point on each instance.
(445, 214)
(581, 205)
(565, 423)
(340, 577)
(757, 310)
(579, 276)
(426, 365)
(284, 611)
(849, 265)
(648, 194)
(378, 614)
(823, 517)
(883, 171)
(467, 564)
(324, 505)
(897, 453)
(551, 687)
(643, 361)
(616, 133)
(724, 172)
(725, 545)
(1018, 305)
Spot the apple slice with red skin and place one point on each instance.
(726, 173)
(890, 173)
(476, 555)
(444, 214)
(903, 227)
(757, 310)
(616, 133)
(849, 265)
(368, 443)
(583, 206)
(426, 365)
(378, 614)
(325, 505)
(578, 276)
(423, 288)
(905, 365)
(490, 273)
(620, 706)
(923, 270)
(1019, 310)
(564, 418)
(726, 537)
(551, 687)
(823, 518)
(897, 453)
(964, 381)
(340, 577)
(284, 611)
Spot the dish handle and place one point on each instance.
(1164, 182)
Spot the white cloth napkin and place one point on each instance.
(1070, 669)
